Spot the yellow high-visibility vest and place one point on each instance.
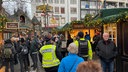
(90, 53)
(49, 58)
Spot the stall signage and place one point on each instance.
(12, 25)
(78, 26)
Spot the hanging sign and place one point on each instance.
(12, 25)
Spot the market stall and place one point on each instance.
(75, 26)
(115, 22)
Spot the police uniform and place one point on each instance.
(49, 58)
(85, 49)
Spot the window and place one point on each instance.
(57, 1)
(73, 18)
(22, 19)
(62, 10)
(127, 5)
(112, 30)
(57, 20)
(50, 1)
(73, 10)
(52, 20)
(62, 1)
(56, 10)
(73, 1)
(63, 20)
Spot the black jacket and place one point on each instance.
(106, 49)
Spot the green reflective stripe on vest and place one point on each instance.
(49, 56)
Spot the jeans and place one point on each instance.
(23, 63)
(34, 59)
(9, 63)
(108, 66)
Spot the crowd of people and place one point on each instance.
(76, 57)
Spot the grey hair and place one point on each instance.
(72, 48)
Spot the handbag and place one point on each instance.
(73, 64)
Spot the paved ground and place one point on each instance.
(39, 69)
(17, 67)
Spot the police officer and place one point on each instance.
(84, 47)
(51, 56)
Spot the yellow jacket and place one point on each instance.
(49, 58)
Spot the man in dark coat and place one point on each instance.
(107, 51)
(9, 62)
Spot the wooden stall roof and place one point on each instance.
(108, 12)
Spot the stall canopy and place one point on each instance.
(63, 28)
(112, 15)
(108, 12)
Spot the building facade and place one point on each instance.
(63, 11)
(93, 6)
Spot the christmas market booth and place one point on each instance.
(75, 26)
(115, 22)
(14, 24)
(3, 20)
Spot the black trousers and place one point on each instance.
(51, 69)
(15, 59)
(27, 58)
(1, 62)
(9, 63)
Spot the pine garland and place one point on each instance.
(3, 20)
(88, 22)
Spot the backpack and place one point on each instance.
(8, 50)
(24, 50)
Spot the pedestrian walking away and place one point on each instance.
(51, 56)
(70, 62)
(84, 47)
(8, 55)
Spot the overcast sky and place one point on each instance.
(12, 5)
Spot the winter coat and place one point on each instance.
(33, 46)
(106, 49)
(69, 61)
